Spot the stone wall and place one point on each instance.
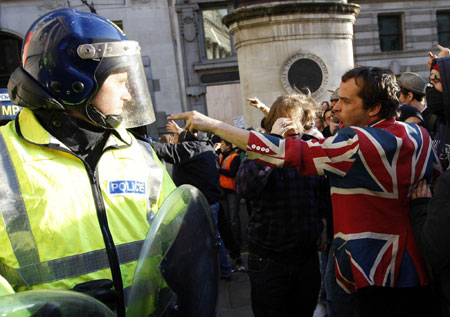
(419, 34)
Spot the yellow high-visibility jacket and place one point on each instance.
(5, 288)
(50, 233)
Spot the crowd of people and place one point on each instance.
(356, 211)
(347, 200)
(388, 255)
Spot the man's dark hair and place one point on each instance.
(215, 138)
(416, 96)
(378, 86)
(325, 112)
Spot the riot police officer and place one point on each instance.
(79, 191)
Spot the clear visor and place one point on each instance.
(132, 98)
(139, 110)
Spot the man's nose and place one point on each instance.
(126, 96)
(336, 106)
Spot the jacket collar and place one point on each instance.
(382, 123)
(33, 132)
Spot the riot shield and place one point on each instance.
(177, 273)
(53, 303)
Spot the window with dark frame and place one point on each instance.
(443, 27)
(10, 50)
(390, 32)
(217, 38)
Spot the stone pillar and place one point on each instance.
(286, 46)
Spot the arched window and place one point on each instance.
(10, 47)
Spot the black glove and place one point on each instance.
(100, 290)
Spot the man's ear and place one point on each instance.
(375, 110)
(410, 96)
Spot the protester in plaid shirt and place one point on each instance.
(285, 224)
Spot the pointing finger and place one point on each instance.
(180, 116)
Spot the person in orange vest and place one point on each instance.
(229, 162)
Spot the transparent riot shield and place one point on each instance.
(177, 273)
(52, 303)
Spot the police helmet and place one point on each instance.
(66, 57)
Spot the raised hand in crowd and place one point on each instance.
(173, 127)
(258, 104)
(443, 51)
(283, 125)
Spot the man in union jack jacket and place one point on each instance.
(372, 163)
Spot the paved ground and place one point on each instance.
(234, 296)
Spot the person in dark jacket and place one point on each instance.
(195, 163)
(430, 219)
(410, 114)
(438, 101)
(412, 91)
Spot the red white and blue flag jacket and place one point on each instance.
(372, 171)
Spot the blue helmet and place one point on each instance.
(67, 55)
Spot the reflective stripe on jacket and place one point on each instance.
(49, 229)
(225, 181)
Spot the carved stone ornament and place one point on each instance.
(304, 70)
(189, 29)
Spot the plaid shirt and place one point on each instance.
(286, 209)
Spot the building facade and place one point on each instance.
(190, 57)
(399, 34)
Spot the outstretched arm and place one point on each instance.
(312, 157)
(197, 121)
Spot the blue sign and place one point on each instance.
(8, 111)
(126, 187)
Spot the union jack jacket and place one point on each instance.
(372, 171)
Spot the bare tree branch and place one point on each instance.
(90, 6)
